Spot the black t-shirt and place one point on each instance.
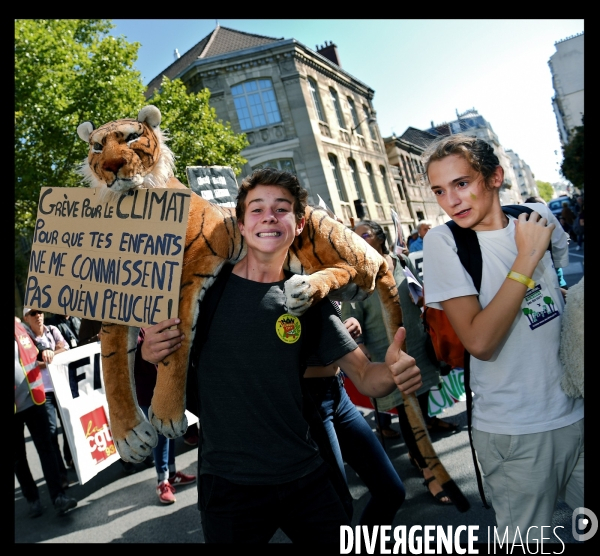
(252, 427)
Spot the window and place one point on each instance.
(314, 93)
(283, 164)
(337, 176)
(408, 169)
(255, 103)
(356, 179)
(338, 109)
(369, 125)
(386, 183)
(369, 169)
(355, 120)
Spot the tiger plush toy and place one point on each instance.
(327, 259)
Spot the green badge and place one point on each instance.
(288, 328)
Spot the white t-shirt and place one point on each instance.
(518, 390)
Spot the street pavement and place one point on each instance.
(114, 507)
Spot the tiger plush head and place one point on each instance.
(126, 154)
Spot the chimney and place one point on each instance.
(330, 52)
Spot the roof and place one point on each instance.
(417, 137)
(220, 41)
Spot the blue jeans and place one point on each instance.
(164, 454)
(353, 441)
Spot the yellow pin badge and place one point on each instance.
(288, 328)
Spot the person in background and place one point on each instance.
(30, 410)
(69, 328)
(164, 453)
(417, 244)
(374, 338)
(567, 218)
(353, 440)
(578, 224)
(89, 331)
(414, 234)
(50, 342)
(559, 271)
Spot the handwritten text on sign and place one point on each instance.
(115, 260)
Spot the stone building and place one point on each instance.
(524, 176)
(418, 202)
(566, 66)
(301, 112)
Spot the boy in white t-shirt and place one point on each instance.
(528, 434)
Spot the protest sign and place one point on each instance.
(399, 244)
(323, 205)
(416, 258)
(109, 258)
(216, 184)
(79, 388)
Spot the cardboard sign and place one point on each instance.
(216, 184)
(110, 259)
(79, 388)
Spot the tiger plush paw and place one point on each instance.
(299, 292)
(172, 427)
(138, 443)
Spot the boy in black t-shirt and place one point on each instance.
(259, 468)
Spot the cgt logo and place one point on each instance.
(97, 433)
(584, 523)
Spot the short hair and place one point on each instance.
(272, 176)
(378, 231)
(535, 199)
(477, 152)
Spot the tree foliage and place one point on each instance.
(572, 167)
(545, 189)
(195, 135)
(66, 71)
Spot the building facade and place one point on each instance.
(301, 112)
(566, 66)
(418, 202)
(524, 176)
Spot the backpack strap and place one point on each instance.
(469, 253)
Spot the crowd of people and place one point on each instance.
(268, 470)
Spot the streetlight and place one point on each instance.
(370, 119)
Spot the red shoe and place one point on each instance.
(165, 492)
(191, 440)
(181, 479)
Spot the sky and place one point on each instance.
(422, 70)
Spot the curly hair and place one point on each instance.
(378, 231)
(272, 176)
(478, 153)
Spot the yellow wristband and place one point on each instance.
(521, 278)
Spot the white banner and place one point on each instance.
(79, 387)
(77, 378)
